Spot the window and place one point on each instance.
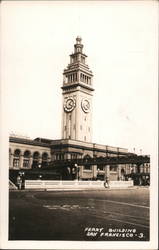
(16, 160)
(26, 154)
(36, 155)
(16, 163)
(80, 127)
(82, 59)
(113, 168)
(17, 153)
(74, 156)
(44, 156)
(44, 159)
(81, 76)
(100, 168)
(85, 138)
(87, 167)
(25, 163)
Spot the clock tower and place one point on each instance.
(77, 97)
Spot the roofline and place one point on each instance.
(27, 141)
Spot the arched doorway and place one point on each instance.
(122, 174)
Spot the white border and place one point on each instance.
(5, 244)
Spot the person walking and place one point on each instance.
(106, 183)
(19, 182)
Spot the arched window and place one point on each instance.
(44, 159)
(16, 159)
(26, 159)
(36, 157)
(17, 153)
(44, 156)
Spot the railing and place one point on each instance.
(12, 186)
(52, 185)
(42, 184)
(129, 159)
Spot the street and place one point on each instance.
(80, 215)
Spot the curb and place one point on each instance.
(81, 189)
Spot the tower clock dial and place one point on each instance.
(69, 104)
(85, 104)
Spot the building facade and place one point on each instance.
(76, 143)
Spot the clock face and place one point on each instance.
(69, 104)
(85, 104)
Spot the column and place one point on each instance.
(141, 168)
(78, 76)
(119, 172)
(30, 162)
(40, 162)
(21, 161)
(134, 168)
(94, 169)
(145, 168)
(126, 169)
(80, 172)
(11, 161)
(107, 171)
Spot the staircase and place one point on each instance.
(12, 186)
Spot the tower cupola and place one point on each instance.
(77, 71)
(78, 47)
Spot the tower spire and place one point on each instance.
(77, 71)
(77, 96)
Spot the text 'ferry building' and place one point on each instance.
(75, 156)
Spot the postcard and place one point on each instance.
(79, 125)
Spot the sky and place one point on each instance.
(120, 40)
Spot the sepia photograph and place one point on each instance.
(79, 124)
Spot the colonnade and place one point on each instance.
(19, 159)
(70, 78)
(112, 172)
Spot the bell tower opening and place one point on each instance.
(77, 97)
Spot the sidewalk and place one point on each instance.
(82, 189)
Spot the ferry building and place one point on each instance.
(76, 143)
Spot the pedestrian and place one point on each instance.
(19, 182)
(23, 181)
(106, 183)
